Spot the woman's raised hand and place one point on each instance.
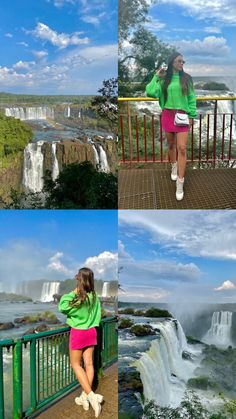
(161, 72)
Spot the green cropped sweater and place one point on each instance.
(175, 97)
(82, 317)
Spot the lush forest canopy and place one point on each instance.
(14, 135)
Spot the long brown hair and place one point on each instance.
(186, 81)
(85, 284)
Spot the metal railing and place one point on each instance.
(210, 138)
(40, 368)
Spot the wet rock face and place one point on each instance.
(129, 385)
(77, 151)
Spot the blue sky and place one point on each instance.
(204, 31)
(55, 244)
(170, 256)
(57, 46)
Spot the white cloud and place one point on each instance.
(221, 10)
(143, 294)
(24, 44)
(9, 35)
(55, 264)
(61, 3)
(212, 29)
(226, 286)
(104, 266)
(23, 65)
(40, 54)
(60, 40)
(208, 234)
(94, 20)
(210, 46)
(155, 25)
(121, 250)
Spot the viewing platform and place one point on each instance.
(35, 373)
(144, 173)
(66, 407)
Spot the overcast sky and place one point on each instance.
(170, 256)
(204, 31)
(53, 245)
(57, 46)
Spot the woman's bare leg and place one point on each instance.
(170, 136)
(75, 360)
(182, 138)
(88, 363)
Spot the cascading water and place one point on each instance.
(220, 332)
(48, 290)
(33, 167)
(162, 369)
(96, 156)
(55, 165)
(30, 113)
(104, 166)
(105, 290)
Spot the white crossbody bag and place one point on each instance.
(181, 119)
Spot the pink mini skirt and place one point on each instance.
(167, 121)
(80, 339)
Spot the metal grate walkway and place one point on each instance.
(66, 407)
(152, 188)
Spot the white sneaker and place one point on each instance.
(174, 171)
(96, 405)
(179, 189)
(82, 401)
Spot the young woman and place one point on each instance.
(174, 88)
(83, 311)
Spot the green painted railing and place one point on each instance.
(40, 368)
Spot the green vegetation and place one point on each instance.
(142, 330)
(190, 408)
(13, 297)
(212, 85)
(14, 136)
(145, 52)
(46, 316)
(125, 322)
(192, 341)
(79, 185)
(151, 312)
(201, 383)
(15, 99)
(157, 312)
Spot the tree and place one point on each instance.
(80, 185)
(105, 105)
(131, 14)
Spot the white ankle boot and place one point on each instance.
(174, 171)
(179, 189)
(94, 401)
(82, 400)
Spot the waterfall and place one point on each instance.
(104, 166)
(55, 165)
(30, 113)
(33, 167)
(227, 107)
(220, 332)
(162, 369)
(96, 156)
(48, 290)
(68, 112)
(105, 290)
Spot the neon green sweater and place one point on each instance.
(175, 97)
(83, 317)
